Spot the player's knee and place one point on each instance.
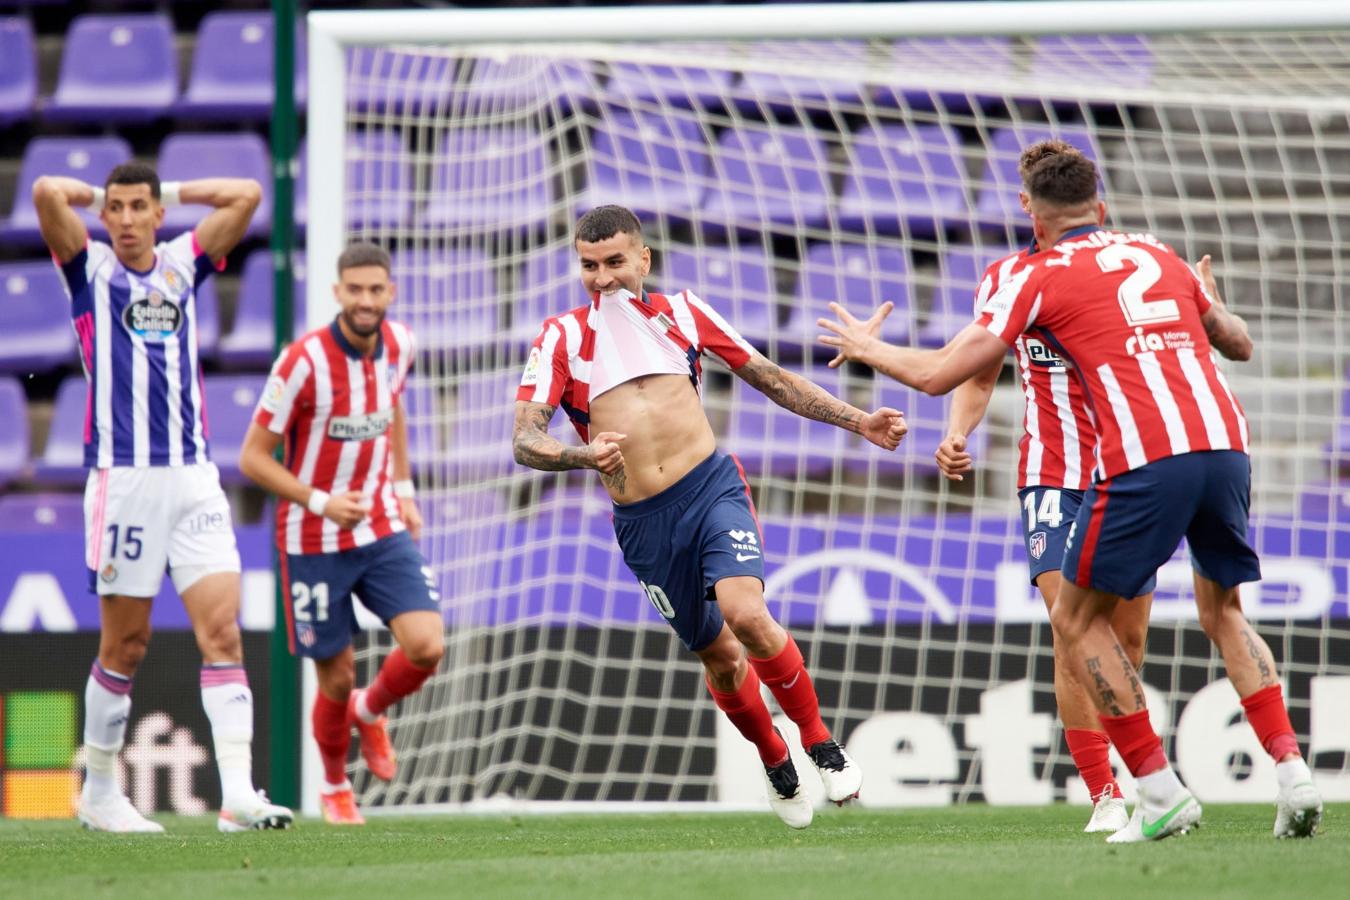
(753, 627)
(425, 651)
(1067, 626)
(126, 651)
(336, 682)
(1133, 645)
(220, 641)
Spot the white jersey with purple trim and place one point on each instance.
(137, 336)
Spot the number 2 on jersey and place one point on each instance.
(1047, 514)
(1138, 311)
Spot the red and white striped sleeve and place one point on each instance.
(715, 334)
(546, 370)
(407, 354)
(1013, 306)
(290, 377)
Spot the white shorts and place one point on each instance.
(140, 521)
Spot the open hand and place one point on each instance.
(605, 452)
(1204, 268)
(952, 459)
(347, 510)
(885, 427)
(849, 335)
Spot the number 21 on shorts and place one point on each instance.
(1047, 513)
(304, 596)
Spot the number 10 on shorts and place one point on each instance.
(658, 598)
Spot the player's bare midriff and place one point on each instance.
(667, 432)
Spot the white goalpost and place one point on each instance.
(781, 157)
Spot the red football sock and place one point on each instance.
(1091, 752)
(1138, 745)
(397, 679)
(1270, 720)
(786, 676)
(333, 734)
(746, 710)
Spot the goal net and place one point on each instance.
(773, 176)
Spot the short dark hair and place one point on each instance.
(604, 222)
(134, 172)
(1043, 150)
(1065, 179)
(363, 253)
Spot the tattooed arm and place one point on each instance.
(885, 427)
(533, 446)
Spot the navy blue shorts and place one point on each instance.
(390, 576)
(687, 538)
(1048, 515)
(1131, 524)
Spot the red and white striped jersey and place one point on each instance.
(618, 337)
(1056, 449)
(1124, 312)
(335, 408)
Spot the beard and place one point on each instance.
(362, 330)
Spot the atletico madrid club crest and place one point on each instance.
(1037, 545)
(305, 632)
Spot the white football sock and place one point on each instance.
(229, 706)
(327, 788)
(107, 706)
(1160, 786)
(1292, 772)
(362, 711)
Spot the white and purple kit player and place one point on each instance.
(153, 500)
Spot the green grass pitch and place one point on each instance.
(972, 851)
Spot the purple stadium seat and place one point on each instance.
(249, 343)
(229, 402)
(998, 204)
(1323, 503)
(116, 69)
(771, 440)
(495, 84)
(550, 285)
(861, 278)
(954, 299)
(428, 422)
(449, 299)
(43, 513)
(927, 420)
(645, 85)
(776, 175)
(201, 155)
(1123, 60)
(904, 174)
(18, 70)
(767, 91)
(386, 80)
(34, 318)
(491, 181)
(62, 461)
(14, 436)
(88, 159)
(992, 57)
(654, 163)
(737, 282)
(232, 68)
(379, 180)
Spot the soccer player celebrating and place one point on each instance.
(347, 520)
(626, 369)
(1137, 326)
(1054, 469)
(153, 499)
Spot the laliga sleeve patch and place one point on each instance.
(531, 376)
(272, 394)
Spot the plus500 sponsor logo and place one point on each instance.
(360, 428)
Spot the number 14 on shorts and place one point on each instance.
(1047, 513)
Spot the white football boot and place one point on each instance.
(259, 815)
(787, 796)
(1108, 813)
(1153, 821)
(1298, 811)
(838, 772)
(116, 814)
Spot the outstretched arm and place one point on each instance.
(1227, 332)
(969, 402)
(885, 427)
(934, 372)
(533, 446)
(54, 196)
(234, 199)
